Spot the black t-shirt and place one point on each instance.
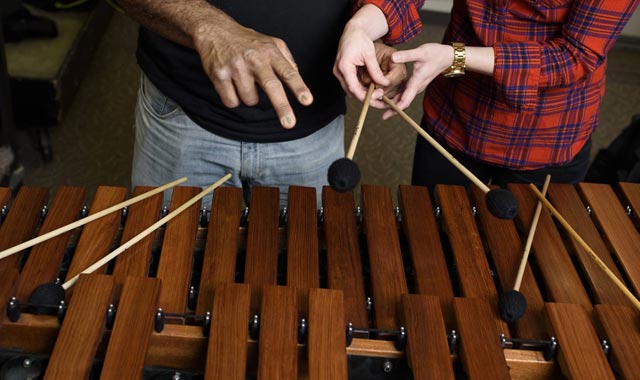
(311, 30)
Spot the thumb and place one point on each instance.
(374, 71)
(405, 56)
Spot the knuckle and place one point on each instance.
(221, 73)
(353, 88)
(238, 65)
(279, 43)
(269, 47)
(249, 53)
(252, 101)
(249, 96)
(271, 83)
(231, 103)
(370, 54)
(283, 108)
(289, 73)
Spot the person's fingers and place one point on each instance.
(247, 91)
(222, 81)
(338, 75)
(272, 86)
(244, 84)
(363, 76)
(351, 83)
(293, 80)
(397, 77)
(405, 56)
(407, 96)
(227, 93)
(376, 99)
(397, 73)
(390, 112)
(379, 104)
(374, 70)
(377, 94)
(284, 49)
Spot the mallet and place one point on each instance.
(500, 202)
(344, 173)
(512, 304)
(52, 293)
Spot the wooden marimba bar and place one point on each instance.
(284, 295)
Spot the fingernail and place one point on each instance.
(288, 121)
(305, 98)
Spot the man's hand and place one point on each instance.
(234, 57)
(395, 73)
(238, 58)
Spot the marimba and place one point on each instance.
(236, 292)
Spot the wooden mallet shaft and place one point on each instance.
(146, 232)
(532, 232)
(363, 114)
(90, 218)
(472, 177)
(586, 247)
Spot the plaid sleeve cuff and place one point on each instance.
(403, 18)
(517, 71)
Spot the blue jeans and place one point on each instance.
(169, 145)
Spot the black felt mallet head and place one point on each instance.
(46, 296)
(501, 203)
(512, 305)
(343, 175)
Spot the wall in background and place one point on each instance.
(631, 30)
(633, 27)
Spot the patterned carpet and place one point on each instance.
(93, 146)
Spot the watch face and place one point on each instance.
(454, 74)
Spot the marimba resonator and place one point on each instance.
(367, 292)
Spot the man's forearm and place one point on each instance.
(178, 20)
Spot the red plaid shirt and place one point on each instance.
(543, 102)
(403, 18)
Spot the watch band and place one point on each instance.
(459, 61)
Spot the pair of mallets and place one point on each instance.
(512, 304)
(344, 175)
(50, 294)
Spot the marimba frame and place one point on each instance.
(184, 345)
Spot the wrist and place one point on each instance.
(209, 22)
(370, 20)
(448, 56)
(481, 60)
(458, 63)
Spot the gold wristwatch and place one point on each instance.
(458, 65)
